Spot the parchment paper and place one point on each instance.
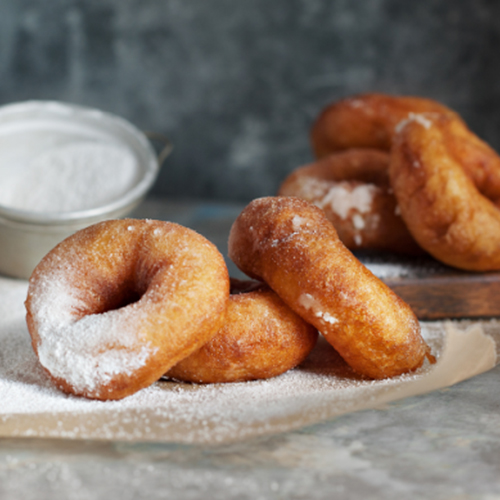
(323, 387)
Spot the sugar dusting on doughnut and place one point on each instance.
(447, 183)
(261, 338)
(343, 198)
(420, 118)
(352, 188)
(368, 121)
(308, 302)
(114, 306)
(67, 347)
(311, 270)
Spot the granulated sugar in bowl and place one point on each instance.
(62, 168)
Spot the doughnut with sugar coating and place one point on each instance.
(352, 188)
(261, 338)
(450, 207)
(114, 306)
(289, 243)
(367, 121)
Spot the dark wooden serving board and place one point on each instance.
(435, 291)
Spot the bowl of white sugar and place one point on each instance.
(64, 167)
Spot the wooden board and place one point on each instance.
(435, 291)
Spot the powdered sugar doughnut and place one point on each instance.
(261, 338)
(114, 306)
(367, 121)
(289, 244)
(352, 188)
(450, 204)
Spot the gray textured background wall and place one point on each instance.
(237, 83)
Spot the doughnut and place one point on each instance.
(114, 306)
(352, 188)
(261, 338)
(479, 161)
(290, 244)
(367, 121)
(451, 209)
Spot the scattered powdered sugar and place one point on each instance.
(342, 199)
(310, 188)
(307, 301)
(419, 118)
(328, 318)
(324, 386)
(358, 221)
(74, 176)
(398, 266)
(388, 270)
(70, 346)
(298, 222)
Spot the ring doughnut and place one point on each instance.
(367, 121)
(352, 188)
(114, 306)
(288, 243)
(261, 338)
(450, 209)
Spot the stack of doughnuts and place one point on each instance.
(120, 304)
(404, 174)
(261, 338)
(290, 244)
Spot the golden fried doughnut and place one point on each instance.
(352, 188)
(448, 207)
(366, 121)
(113, 307)
(289, 243)
(480, 162)
(261, 338)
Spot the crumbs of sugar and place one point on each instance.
(68, 348)
(209, 413)
(307, 301)
(342, 200)
(328, 318)
(298, 222)
(421, 120)
(413, 117)
(358, 222)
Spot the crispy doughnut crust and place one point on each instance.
(113, 307)
(479, 161)
(261, 338)
(443, 200)
(367, 121)
(352, 188)
(290, 244)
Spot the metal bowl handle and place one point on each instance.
(167, 145)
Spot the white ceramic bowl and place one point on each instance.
(26, 236)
